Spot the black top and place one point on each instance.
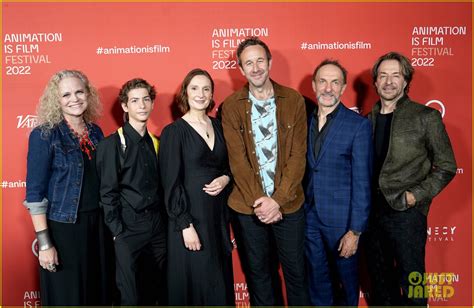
(90, 185)
(383, 125)
(129, 178)
(320, 135)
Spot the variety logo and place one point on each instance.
(28, 121)
(438, 105)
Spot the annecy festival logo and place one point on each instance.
(441, 233)
(434, 286)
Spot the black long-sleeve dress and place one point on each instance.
(187, 163)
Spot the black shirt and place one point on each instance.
(320, 135)
(129, 178)
(383, 124)
(90, 185)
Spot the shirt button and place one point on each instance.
(247, 112)
(80, 164)
(250, 131)
(149, 198)
(289, 126)
(253, 152)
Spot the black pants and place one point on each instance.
(143, 231)
(395, 247)
(254, 243)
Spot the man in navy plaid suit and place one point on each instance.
(337, 188)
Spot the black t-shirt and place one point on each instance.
(383, 125)
(90, 185)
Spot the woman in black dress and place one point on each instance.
(62, 194)
(195, 175)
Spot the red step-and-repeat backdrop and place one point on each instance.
(161, 42)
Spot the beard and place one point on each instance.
(325, 103)
(393, 94)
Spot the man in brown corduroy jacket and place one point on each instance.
(265, 130)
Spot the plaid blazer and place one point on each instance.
(338, 181)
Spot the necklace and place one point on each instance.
(198, 126)
(207, 132)
(85, 142)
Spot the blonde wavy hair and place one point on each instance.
(49, 109)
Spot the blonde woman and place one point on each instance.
(62, 193)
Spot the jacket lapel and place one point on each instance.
(310, 155)
(337, 122)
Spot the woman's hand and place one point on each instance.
(217, 185)
(48, 259)
(191, 238)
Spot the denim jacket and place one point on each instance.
(55, 172)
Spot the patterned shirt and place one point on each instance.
(265, 136)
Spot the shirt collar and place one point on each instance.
(278, 91)
(259, 102)
(402, 100)
(330, 115)
(133, 134)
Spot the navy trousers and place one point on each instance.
(333, 280)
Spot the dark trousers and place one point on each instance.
(84, 275)
(143, 232)
(333, 280)
(254, 240)
(395, 247)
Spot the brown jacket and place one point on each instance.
(291, 161)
